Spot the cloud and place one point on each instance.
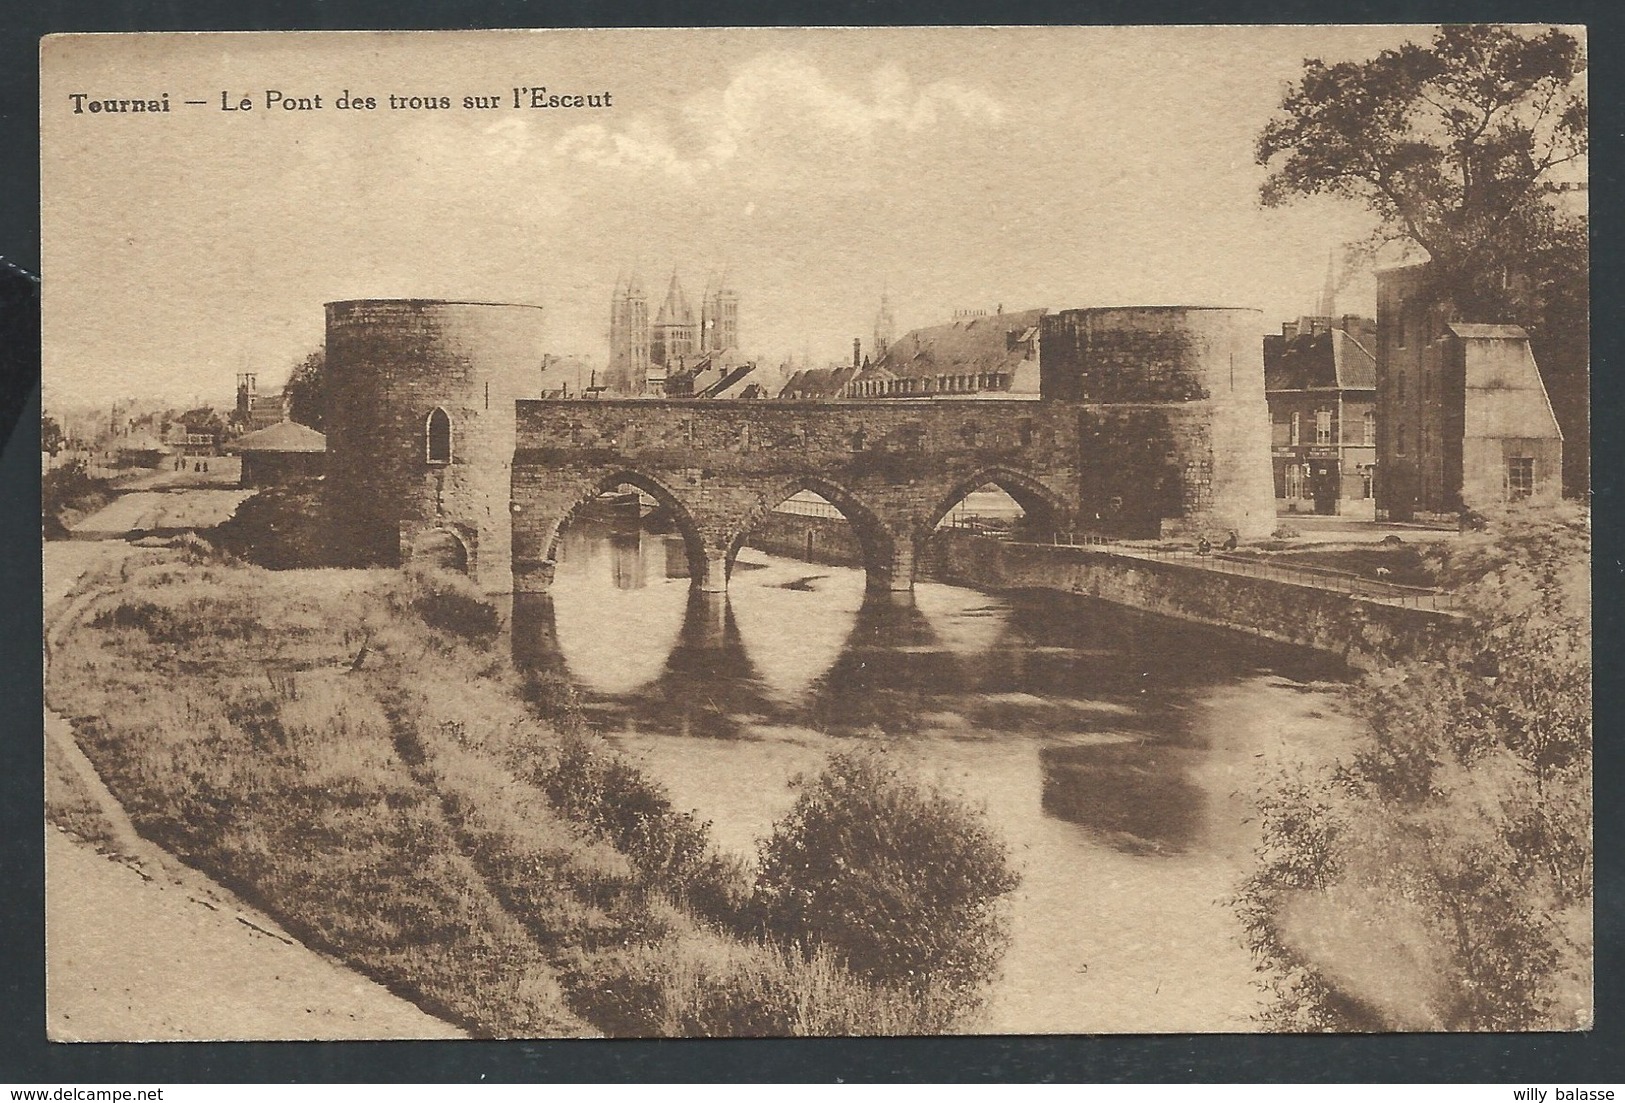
(778, 106)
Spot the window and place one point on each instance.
(1399, 439)
(1404, 309)
(437, 436)
(1520, 477)
(1399, 385)
(1323, 426)
(1368, 426)
(1295, 433)
(1294, 480)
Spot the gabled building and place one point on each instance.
(978, 355)
(1464, 421)
(1320, 383)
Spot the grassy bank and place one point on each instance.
(1440, 876)
(351, 752)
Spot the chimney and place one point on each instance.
(857, 359)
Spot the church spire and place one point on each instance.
(1327, 307)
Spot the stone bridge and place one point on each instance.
(1150, 422)
(893, 468)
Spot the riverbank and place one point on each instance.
(1367, 624)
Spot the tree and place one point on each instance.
(51, 437)
(1454, 147)
(1454, 846)
(306, 392)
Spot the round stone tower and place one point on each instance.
(420, 429)
(1175, 433)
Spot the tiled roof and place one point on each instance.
(970, 345)
(285, 436)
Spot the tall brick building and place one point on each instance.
(1463, 417)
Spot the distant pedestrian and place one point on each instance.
(1231, 541)
(1203, 546)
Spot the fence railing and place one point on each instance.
(1324, 578)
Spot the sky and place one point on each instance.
(952, 169)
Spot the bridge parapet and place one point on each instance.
(892, 467)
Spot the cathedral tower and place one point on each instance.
(719, 316)
(628, 337)
(674, 336)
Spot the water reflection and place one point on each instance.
(1104, 697)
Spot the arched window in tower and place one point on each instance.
(437, 436)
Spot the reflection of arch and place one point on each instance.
(1043, 506)
(441, 548)
(693, 544)
(873, 538)
(437, 436)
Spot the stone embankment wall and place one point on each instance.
(811, 539)
(1364, 632)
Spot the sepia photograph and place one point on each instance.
(753, 533)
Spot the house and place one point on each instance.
(281, 453)
(980, 354)
(1320, 383)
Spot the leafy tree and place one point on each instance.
(51, 437)
(306, 390)
(1452, 146)
(899, 883)
(1459, 833)
(1455, 147)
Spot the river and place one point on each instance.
(1119, 753)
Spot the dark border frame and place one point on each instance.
(25, 1056)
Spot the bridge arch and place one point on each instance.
(877, 543)
(586, 491)
(1044, 507)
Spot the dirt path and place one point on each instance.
(130, 956)
(141, 946)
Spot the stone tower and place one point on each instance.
(628, 337)
(719, 316)
(420, 430)
(674, 336)
(885, 328)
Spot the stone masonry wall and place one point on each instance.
(892, 467)
(791, 534)
(389, 363)
(1180, 433)
(1363, 632)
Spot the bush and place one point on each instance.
(67, 494)
(1460, 831)
(281, 527)
(899, 884)
(452, 604)
(591, 784)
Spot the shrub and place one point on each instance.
(592, 784)
(452, 604)
(899, 883)
(67, 494)
(1460, 830)
(281, 527)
